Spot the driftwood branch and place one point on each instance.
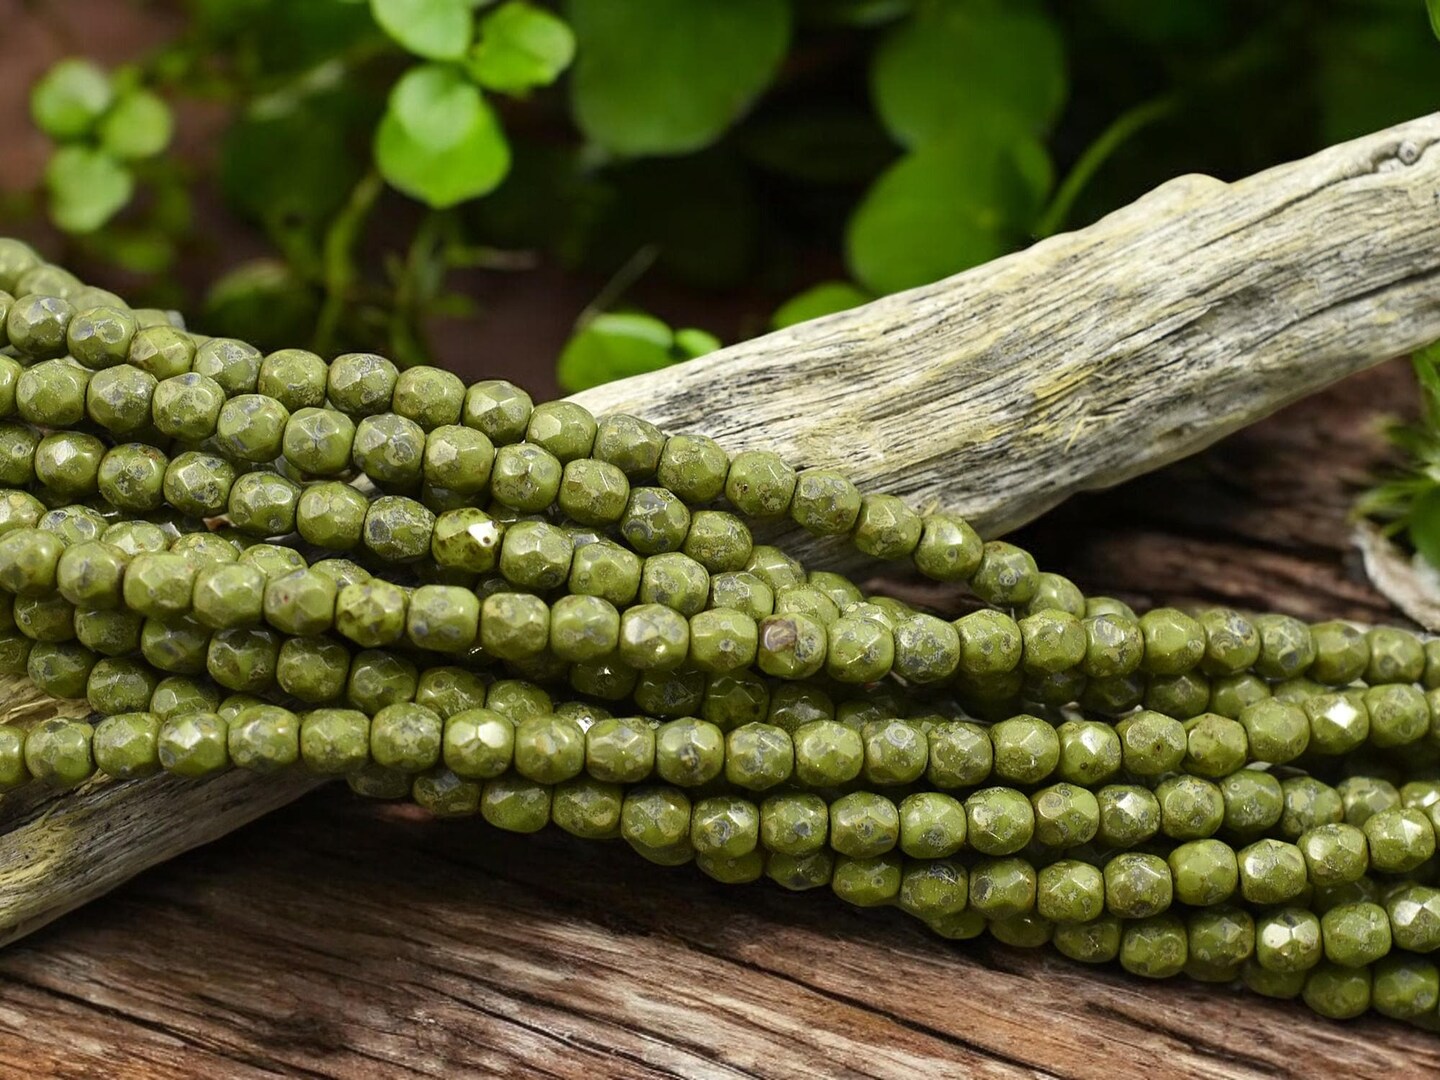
(1089, 358)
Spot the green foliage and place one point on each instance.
(86, 187)
(617, 344)
(434, 29)
(139, 126)
(824, 299)
(1433, 6)
(659, 77)
(70, 98)
(521, 47)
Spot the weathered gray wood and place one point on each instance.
(1090, 357)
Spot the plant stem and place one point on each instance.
(338, 262)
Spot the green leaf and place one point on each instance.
(659, 77)
(1425, 526)
(946, 207)
(959, 65)
(87, 188)
(438, 141)
(521, 47)
(139, 126)
(824, 299)
(690, 343)
(70, 98)
(1433, 6)
(434, 29)
(613, 346)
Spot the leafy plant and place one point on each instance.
(771, 160)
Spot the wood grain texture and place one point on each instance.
(339, 938)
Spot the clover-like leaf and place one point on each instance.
(521, 47)
(824, 299)
(438, 141)
(69, 99)
(618, 344)
(658, 77)
(139, 126)
(434, 29)
(87, 188)
(956, 65)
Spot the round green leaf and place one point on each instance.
(824, 299)
(69, 98)
(87, 188)
(613, 346)
(521, 47)
(1433, 6)
(438, 141)
(961, 64)
(691, 342)
(434, 29)
(946, 207)
(657, 77)
(139, 126)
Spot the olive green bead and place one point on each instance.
(694, 467)
(446, 795)
(1399, 714)
(229, 595)
(1181, 696)
(1355, 934)
(161, 351)
(1137, 885)
(1027, 749)
(1342, 653)
(17, 260)
(37, 325)
(119, 685)
(1339, 722)
(398, 529)
(1006, 577)
(1215, 746)
(791, 646)
(605, 570)
(1174, 642)
(1364, 796)
(252, 427)
(428, 396)
(13, 773)
(933, 888)
(159, 585)
(318, 442)
(549, 749)
(1405, 987)
(1335, 854)
(1090, 752)
(758, 756)
(863, 825)
(1070, 891)
(178, 645)
(583, 628)
(73, 524)
(1414, 912)
(689, 752)
(859, 650)
(1308, 804)
(738, 591)
(1152, 744)
(29, 561)
(515, 804)
(1051, 641)
(1191, 808)
(588, 808)
(565, 429)
(932, 825)
(187, 406)
(1093, 942)
(295, 378)
(803, 600)
(796, 872)
(735, 698)
(1204, 872)
(760, 484)
(927, 649)
(15, 654)
(234, 365)
(675, 580)
(725, 826)
(653, 637)
(794, 823)
(1288, 940)
(1114, 645)
(458, 459)
(655, 521)
(69, 464)
(1232, 643)
(1286, 647)
(1155, 947)
(1066, 816)
(263, 504)
(827, 754)
(480, 743)
(722, 641)
(526, 477)
(1218, 942)
(673, 693)
(960, 755)
(1271, 872)
(867, 882)
(999, 821)
(17, 453)
(1254, 801)
(793, 705)
(243, 659)
(89, 575)
(824, 502)
(176, 695)
(264, 738)
(499, 409)
(58, 752)
(1275, 731)
(390, 450)
(896, 752)
(630, 444)
(655, 821)
(1394, 656)
(300, 603)
(199, 484)
(361, 384)
(442, 618)
(514, 626)
(949, 549)
(1113, 695)
(775, 568)
(886, 528)
(594, 493)
(1002, 888)
(990, 643)
(313, 669)
(1399, 840)
(125, 745)
(406, 736)
(467, 540)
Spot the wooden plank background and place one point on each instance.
(339, 938)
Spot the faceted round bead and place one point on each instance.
(1129, 815)
(827, 754)
(655, 521)
(478, 743)
(999, 821)
(1066, 816)
(450, 690)
(1137, 885)
(794, 824)
(361, 384)
(722, 641)
(630, 444)
(775, 568)
(129, 477)
(1405, 987)
(526, 478)
(793, 705)
(1395, 656)
(1254, 801)
(1191, 808)
(442, 618)
(735, 698)
(229, 595)
(57, 752)
(390, 450)
(1338, 722)
(1288, 940)
(583, 628)
(886, 528)
(162, 351)
(619, 750)
(458, 459)
(398, 529)
(445, 795)
(264, 738)
(176, 645)
(606, 570)
(1399, 840)
(198, 484)
(960, 755)
(594, 493)
(1334, 854)
(933, 888)
(927, 649)
(187, 406)
(1355, 934)
(758, 756)
(119, 685)
(1232, 643)
(803, 600)
(36, 325)
(949, 549)
(536, 555)
(313, 669)
(293, 377)
(1364, 796)
(932, 825)
(468, 540)
(1152, 744)
(1271, 872)
(318, 442)
(1070, 891)
(694, 467)
(1027, 749)
(896, 752)
(69, 463)
(1230, 695)
(725, 826)
(1154, 948)
(89, 575)
(514, 626)
(1218, 942)
(760, 484)
(867, 882)
(159, 585)
(1276, 731)
(429, 396)
(859, 650)
(17, 453)
(656, 819)
(1215, 746)
(689, 752)
(125, 745)
(243, 660)
(1174, 642)
(73, 524)
(251, 427)
(791, 646)
(1094, 942)
(1114, 645)
(1399, 715)
(1052, 641)
(1341, 653)
(1308, 803)
(263, 504)
(1414, 912)
(234, 365)
(588, 808)
(863, 825)
(331, 516)
(118, 399)
(549, 749)
(406, 736)
(825, 503)
(499, 409)
(565, 429)
(193, 744)
(718, 541)
(1006, 576)
(176, 696)
(300, 603)
(1002, 888)
(653, 637)
(990, 643)
(1205, 872)
(1090, 752)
